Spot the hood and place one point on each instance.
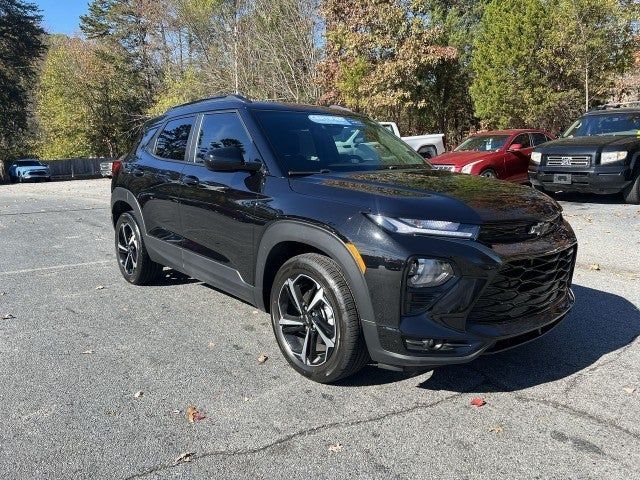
(430, 194)
(589, 144)
(460, 159)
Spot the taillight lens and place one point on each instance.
(115, 167)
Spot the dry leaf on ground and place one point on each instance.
(630, 389)
(87, 352)
(100, 287)
(138, 394)
(478, 402)
(7, 316)
(594, 266)
(336, 447)
(496, 429)
(184, 458)
(262, 358)
(193, 415)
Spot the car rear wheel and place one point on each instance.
(489, 173)
(631, 194)
(134, 262)
(315, 320)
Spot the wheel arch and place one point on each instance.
(123, 200)
(288, 238)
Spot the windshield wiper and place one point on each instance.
(296, 173)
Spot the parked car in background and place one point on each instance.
(29, 169)
(503, 154)
(105, 169)
(428, 146)
(599, 153)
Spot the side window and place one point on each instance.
(146, 138)
(172, 141)
(522, 139)
(220, 130)
(539, 138)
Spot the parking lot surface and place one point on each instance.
(97, 375)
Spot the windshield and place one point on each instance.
(306, 142)
(28, 163)
(618, 123)
(483, 143)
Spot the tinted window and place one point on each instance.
(522, 139)
(172, 141)
(221, 130)
(28, 163)
(483, 143)
(146, 138)
(614, 123)
(539, 138)
(317, 141)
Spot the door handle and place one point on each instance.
(190, 180)
(137, 172)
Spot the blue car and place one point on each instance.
(25, 170)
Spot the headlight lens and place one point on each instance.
(536, 157)
(468, 167)
(426, 227)
(610, 157)
(428, 272)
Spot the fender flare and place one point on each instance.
(120, 194)
(321, 239)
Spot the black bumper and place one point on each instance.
(600, 179)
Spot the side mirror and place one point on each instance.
(228, 159)
(515, 147)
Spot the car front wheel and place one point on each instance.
(489, 173)
(315, 320)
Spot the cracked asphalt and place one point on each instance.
(73, 357)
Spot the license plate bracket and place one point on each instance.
(562, 178)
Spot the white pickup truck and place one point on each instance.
(428, 146)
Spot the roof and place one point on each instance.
(238, 101)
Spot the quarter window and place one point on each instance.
(223, 130)
(172, 141)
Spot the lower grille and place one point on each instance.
(523, 288)
(568, 161)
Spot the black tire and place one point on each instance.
(349, 353)
(489, 173)
(135, 264)
(12, 179)
(631, 194)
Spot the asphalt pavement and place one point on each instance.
(96, 375)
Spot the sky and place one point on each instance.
(61, 16)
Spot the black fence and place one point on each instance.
(71, 168)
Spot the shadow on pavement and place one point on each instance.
(600, 323)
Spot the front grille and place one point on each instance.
(523, 288)
(37, 172)
(448, 168)
(513, 232)
(568, 161)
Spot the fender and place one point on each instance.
(324, 240)
(124, 195)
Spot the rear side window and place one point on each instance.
(221, 130)
(539, 138)
(522, 139)
(146, 138)
(172, 141)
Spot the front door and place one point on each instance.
(217, 208)
(517, 160)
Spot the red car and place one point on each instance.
(502, 154)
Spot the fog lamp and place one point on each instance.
(428, 272)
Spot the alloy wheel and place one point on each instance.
(127, 248)
(306, 321)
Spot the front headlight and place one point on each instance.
(428, 272)
(469, 166)
(536, 157)
(610, 157)
(426, 227)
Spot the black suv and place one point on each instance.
(599, 153)
(360, 253)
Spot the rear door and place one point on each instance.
(217, 208)
(155, 173)
(517, 161)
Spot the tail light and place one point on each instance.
(115, 167)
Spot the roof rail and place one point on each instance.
(613, 105)
(217, 97)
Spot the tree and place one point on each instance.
(21, 45)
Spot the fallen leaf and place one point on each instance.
(246, 399)
(100, 287)
(184, 458)
(138, 394)
(193, 415)
(7, 316)
(336, 447)
(496, 429)
(478, 402)
(594, 266)
(2, 294)
(630, 389)
(87, 352)
(212, 345)
(177, 411)
(262, 358)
